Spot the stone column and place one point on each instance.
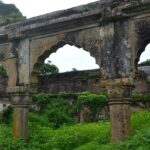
(119, 93)
(120, 118)
(20, 99)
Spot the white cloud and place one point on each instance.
(69, 57)
(146, 54)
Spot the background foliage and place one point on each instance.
(2, 71)
(88, 136)
(48, 69)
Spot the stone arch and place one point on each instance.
(42, 58)
(41, 48)
(143, 38)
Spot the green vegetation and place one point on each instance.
(145, 63)
(2, 71)
(52, 126)
(48, 69)
(9, 13)
(94, 102)
(88, 136)
(15, 16)
(136, 96)
(59, 110)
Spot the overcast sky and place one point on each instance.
(67, 57)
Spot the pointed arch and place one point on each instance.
(45, 54)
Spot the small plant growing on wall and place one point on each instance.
(2, 71)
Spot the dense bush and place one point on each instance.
(59, 112)
(48, 69)
(6, 115)
(41, 100)
(94, 102)
(136, 96)
(2, 71)
(89, 136)
(145, 63)
(60, 108)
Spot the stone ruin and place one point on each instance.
(115, 32)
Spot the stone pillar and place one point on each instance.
(119, 93)
(120, 118)
(20, 100)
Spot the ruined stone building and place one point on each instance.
(115, 32)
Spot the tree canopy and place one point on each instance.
(48, 69)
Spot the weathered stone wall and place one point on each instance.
(3, 85)
(70, 82)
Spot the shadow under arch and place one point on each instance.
(45, 54)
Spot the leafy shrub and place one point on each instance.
(94, 102)
(40, 119)
(2, 71)
(136, 96)
(7, 115)
(59, 112)
(145, 63)
(89, 136)
(48, 69)
(140, 120)
(41, 100)
(57, 118)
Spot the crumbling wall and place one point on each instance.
(3, 85)
(70, 82)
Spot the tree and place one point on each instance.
(145, 63)
(74, 69)
(48, 69)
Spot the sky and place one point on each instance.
(67, 57)
(146, 54)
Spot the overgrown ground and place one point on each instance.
(88, 136)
